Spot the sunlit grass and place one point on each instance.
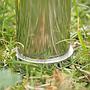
(32, 72)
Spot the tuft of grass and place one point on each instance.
(80, 33)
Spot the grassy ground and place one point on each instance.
(73, 74)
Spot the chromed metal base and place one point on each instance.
(45, 61)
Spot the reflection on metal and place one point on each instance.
(46, 61)
(43, 29)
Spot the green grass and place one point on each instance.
(31, 73)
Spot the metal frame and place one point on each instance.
(46, 61)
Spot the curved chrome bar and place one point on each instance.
(46, 61)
